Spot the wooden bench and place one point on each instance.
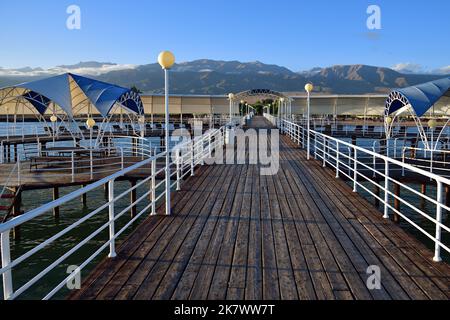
(47, 160)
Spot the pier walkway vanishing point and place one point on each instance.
(300, 234)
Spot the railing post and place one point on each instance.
(192, 158)
(387, 147)
(209, 147)
(202, 151)
(18, 170)
(112, 245)
(374, 163)
(395, 148)
(337, 159)
(349, 161)
(386, 189)
(6, 260)
(72, 160)
(403, 160)
(431, 160)
(153, 186)
(355, 170)
(91, 164)
(324, 164)
(315, 144)
(437, 249)
(121, 159)
(39, 144)
(303, 138)
(178, 158)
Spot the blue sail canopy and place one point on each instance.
(40, 102)
(421, 97)
(104, 95)
(58, 89)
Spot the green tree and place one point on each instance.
(135, 89)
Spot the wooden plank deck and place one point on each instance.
(300, 234)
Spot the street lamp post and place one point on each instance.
(90, 123)
(53, 120)
(432, 125)
(308, 87)
(166, 59)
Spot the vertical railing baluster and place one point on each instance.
(91, 161)
(153, 185)
(112, 234)
(337, 159)
(355, 170)
(72, 164)
(374, 164)
(18, 171)
(386, 189)
(121, 159)
(439, 200)
(192, 158)
(403, 160)
(178, 159)
(6, 260)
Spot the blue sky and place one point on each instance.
(297, 34)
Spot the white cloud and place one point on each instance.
(408, 67)
(92, 71)
(443, 70)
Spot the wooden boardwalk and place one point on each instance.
(300, 234)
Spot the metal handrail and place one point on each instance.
(195, 150)
(329, 150)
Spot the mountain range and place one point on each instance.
(213, 77)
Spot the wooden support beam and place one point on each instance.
(106, 189)
(15, 153)
(133, 198)
(84, 198)
(423, 190)
(55, 197)
(414, 145)
(377, 193)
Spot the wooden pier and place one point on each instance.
(300, 234)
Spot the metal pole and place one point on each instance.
(308, 147)
(337, 159)
(179, 173)
(192, 158)
(386, 190)
(6, 260)
(112, 245)
(231, 110)
(166, 76)
(437, 250)
(153, 186)
(72, 160)
(355, 171)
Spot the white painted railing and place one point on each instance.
(8, 131)
(436, 160)
(185, 157)
(349, 161)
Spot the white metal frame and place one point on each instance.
(185, 157)
(345, 158)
